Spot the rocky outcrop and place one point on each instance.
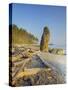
(45, 39)
(57, 51)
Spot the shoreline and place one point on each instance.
(58, 62)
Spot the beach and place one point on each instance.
(29, 66)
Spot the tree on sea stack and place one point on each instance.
(45, 40)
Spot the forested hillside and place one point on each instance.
(21, 36)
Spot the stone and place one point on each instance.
(45, 40)
(57, 51)
(60, 51)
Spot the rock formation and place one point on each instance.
(45, 39)
(58, 51)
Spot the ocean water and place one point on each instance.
(58, 46)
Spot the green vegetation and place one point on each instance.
(21, 36)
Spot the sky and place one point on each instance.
(34, 18)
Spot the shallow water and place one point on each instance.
(37, 62)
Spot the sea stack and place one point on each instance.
(45, 39)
